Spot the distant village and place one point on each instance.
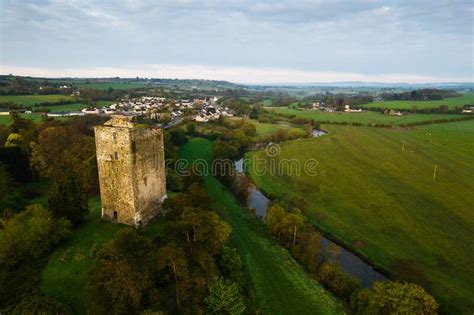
(159, 108)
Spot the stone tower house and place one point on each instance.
(131, 167)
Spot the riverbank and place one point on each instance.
(271, 270)
(351, 262)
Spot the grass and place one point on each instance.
(32, 100)
(266, 129)
(73, 106)
(115, 86)
(281, 286)
(375, 189)
(364, 117)
(451, 102)
(65, 275)
(267, 102)
(6, 119)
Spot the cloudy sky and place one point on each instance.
(246, 41)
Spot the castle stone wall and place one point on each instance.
(131, 171)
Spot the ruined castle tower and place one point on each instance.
(131, 166)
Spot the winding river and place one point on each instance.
(349, 262)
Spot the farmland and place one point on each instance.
(270, 268)
(72, 107)
(364, 117)
(6, 119)
(375, 192)
(113, 85)
(451, 102)
(32, 100)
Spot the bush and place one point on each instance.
(40, 305)
(31, 234)
(338, 281)
(67, 199)
(393, 298)
(224, 298)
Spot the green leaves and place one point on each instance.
(224, 298)
(393, 298)
(30, 234)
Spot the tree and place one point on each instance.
(67, 199)
(190, 128)
(338, 281)
(274, 219)
(292, 223)
(231, 264)
(224, 298)
(123, 274)
(39, 305)
(8, 197)
(393, 298)
(173, 259)
(204, 229)
(61, 151)
(30, 234)
(308, 250)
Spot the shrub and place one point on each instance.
(31, 234)
(393, 298)
(224, 298)
(39, 305)
(338, 281)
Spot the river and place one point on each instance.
(348, 261)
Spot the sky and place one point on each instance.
(242, 41)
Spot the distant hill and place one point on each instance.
(10, 84)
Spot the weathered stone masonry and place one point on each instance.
(131, 171)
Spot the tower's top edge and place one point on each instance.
(120, 121)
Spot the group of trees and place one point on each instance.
(58, 152)
(62, 156)
(420, 95)
(188, 269)
(24, 240)
(387, 297)
(13, 85)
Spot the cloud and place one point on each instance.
(232, 74)
(361, 36)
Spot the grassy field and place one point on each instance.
(65, 275)
(115, 86)
(265, 129)
(32, 100)
(6, 120)
(280, 284)
(451, 102)
(73, 106)
(364, 117)
(375, 192)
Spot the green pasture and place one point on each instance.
(403, 199)
(451, 102)
(115, 86)
(365, 118)
(32, 100)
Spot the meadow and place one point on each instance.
(32, 100)
(6, 119)
(73, 106)
(279, 283)
(364, 118)
(375, 191)
(451, 102)
(115, 86)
